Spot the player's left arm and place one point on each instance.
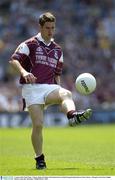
(58, 79)
(58, 70)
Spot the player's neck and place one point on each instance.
(46, 40)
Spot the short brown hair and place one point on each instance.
(46, 17)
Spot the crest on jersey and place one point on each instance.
(39, 50)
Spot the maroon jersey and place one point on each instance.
(43, 61)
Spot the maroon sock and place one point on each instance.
(70, 114)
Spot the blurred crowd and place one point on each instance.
(85, 30)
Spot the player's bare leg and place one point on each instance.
(64, 98)
(36, 114)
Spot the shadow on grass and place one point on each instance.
(67, 169)
(53, 169)
(63, 169)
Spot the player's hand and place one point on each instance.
(29, 78)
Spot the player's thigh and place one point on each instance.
(56, 96)
(36, 114)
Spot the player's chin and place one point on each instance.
(50, 36)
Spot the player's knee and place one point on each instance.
(38, 125)
(69, 94)
(65, 94)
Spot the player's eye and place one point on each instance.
(50, 28)
(53, 28)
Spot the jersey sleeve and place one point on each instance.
(59, 66)
(21, 53)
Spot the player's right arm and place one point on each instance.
(20, 53)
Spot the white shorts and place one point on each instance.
(37, 93)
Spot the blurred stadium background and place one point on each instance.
(85, 30)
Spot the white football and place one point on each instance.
(85, 83)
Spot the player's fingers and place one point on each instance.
(35, 77)
(31, 78)
(26, 79)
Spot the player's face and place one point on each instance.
(47, 30)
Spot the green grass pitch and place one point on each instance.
(79, 151)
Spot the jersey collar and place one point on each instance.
(39, 37)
